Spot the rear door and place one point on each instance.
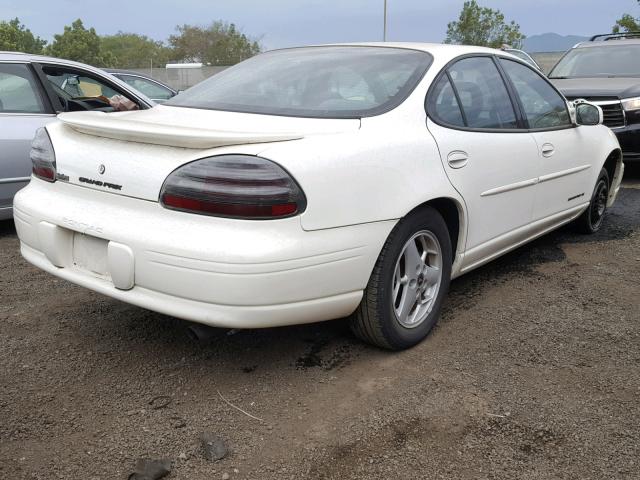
(155, 91)
(564, 172)
(489, 158)
(23, 109)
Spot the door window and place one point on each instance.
(149, 88)
(483, 94)
(19, 91)
(78, 90)
(543, 106)
(77, 85)
(444, 103)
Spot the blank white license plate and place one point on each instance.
(90, 254)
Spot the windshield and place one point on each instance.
(604, 61)
(326, 82)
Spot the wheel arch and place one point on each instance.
(454, 216)
(612, 164)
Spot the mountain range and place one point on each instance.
(551, 42)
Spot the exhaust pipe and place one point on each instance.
(202, 333)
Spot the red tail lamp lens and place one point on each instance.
(236, 186)
(43, 158)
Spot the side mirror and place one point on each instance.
(588, 114)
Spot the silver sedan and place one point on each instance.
(33, 90)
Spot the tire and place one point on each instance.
(379, 319)
(592, 218)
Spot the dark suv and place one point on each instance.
(606, 71)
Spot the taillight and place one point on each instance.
(43, 158)
(238, 186)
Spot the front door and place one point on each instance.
(22, 111)
(564, 172)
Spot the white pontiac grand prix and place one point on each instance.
(315, 183)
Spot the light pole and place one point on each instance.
(384, 34)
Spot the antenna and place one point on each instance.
(384, 32)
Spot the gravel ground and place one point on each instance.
(532, 373)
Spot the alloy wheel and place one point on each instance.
(416, 279)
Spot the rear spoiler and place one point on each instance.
(116, 126)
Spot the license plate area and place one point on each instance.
(90, 255)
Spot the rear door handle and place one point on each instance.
(548, 150)
(457, 159)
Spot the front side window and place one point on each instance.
(483, 94)
(599, 61)
(77, 85)
(543, 106)
(77, 90)
(325, 82)
(19, 92)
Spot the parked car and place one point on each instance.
(314, 183)
(149, 86)
(606, 71)
(522, 55)
(33, 89)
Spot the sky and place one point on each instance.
(283, 23)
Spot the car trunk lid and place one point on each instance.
(132, 153)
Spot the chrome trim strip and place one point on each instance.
(14, 180)
(562, 173)
(511, 186)
(605, 102)
(24, 114)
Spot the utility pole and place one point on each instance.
(384, 34)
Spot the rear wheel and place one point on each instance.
(403, 298)
(592, 218)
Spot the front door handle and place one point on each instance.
(548, 150)
(457, 159)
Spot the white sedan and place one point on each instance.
(315, 183)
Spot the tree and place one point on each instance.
(628, 23)
(79, 44)
(220, 43)
(131, 50)
(16, 37)
(484, 27)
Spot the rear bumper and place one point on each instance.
(221, 272)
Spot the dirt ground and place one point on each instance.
(532, 373)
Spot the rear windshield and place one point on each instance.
(326, 82)
(605, 61)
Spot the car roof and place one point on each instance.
(29, 57)
(433, 48)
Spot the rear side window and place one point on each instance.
(444, 103)
(543, 106)
(483, 94)
(19, 91)
(149, 88)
